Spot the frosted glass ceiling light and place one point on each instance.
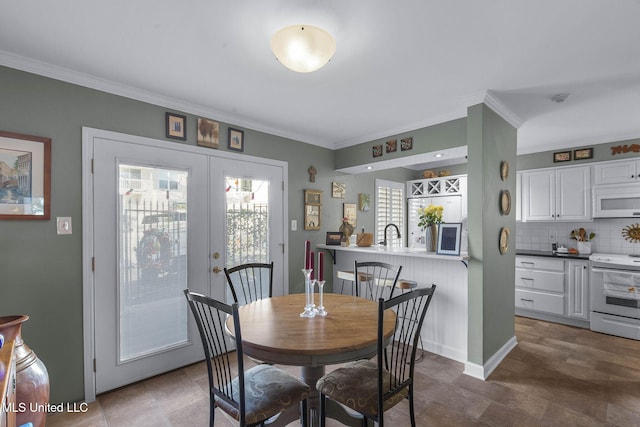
(303, 48)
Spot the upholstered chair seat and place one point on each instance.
(356, 386)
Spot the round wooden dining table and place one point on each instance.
(274, 332)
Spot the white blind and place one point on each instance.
(390, 209)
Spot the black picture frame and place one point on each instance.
(562, 156)
(333, 238)
(235, 139)
(449, 237)
(176, 126)
(583, 154)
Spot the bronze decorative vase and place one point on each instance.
(32, 378)
(432, 237)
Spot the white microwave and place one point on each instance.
(616, 201)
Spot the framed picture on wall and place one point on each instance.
(25, 192)
(236, 140)
(208, 133)
(176, 126)
(349, 211)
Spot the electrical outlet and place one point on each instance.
(553, 236)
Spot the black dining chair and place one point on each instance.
(374, 279)
(250, 282)
(372, 387)
(254, 395)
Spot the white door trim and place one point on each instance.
(88, 312)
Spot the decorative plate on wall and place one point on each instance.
(505, 202)
(503, 243)
(631, 233)
(504, 170)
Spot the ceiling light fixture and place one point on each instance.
(438, 155)
(303, 48)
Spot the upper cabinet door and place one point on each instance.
(538, 195)
(559, 194)
(573, 194)
(616, 172)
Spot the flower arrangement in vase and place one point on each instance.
(430, 217)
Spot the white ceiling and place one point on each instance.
(399, 65)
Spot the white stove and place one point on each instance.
(615, 294)
(616, 261)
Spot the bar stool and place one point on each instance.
(406, 285)
(349, 276)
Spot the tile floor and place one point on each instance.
(556, 376)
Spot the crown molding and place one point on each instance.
(92, 82)
(493, 102)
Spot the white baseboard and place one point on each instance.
(482, 372)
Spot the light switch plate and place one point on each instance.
(294, 225)
(63, 224)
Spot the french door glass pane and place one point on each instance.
(152, 260)
(247, 220)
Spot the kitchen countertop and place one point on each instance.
(550, 254)
(396, 251)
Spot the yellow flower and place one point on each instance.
(430, 215)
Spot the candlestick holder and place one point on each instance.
(321, 310)
(308, 308)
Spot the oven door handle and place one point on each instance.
(611, 270)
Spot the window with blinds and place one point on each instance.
(390, 207)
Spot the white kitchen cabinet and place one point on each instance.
(617, 172)
(557, 194)
(553, 289)
(540, 285)
(578, 289)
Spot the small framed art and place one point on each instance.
(562, 156)
(176, 126)
(392, 145)
(349, 211)
(236, 140)
(406, 144)
(583, 154)
(449, 235)
(25, 190)
(208, 133)
(338, 190)
(333, 238)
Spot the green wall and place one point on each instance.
(491, 140)
(425, 140)
(42, 271)
(601, 153)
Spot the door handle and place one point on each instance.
(217, 269)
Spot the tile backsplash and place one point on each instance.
(608, 239)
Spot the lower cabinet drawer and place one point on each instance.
(540, 301)
(541, 280)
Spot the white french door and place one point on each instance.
(150, 209)
(247, 202)
(164, 219)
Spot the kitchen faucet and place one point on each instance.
(384, 242)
